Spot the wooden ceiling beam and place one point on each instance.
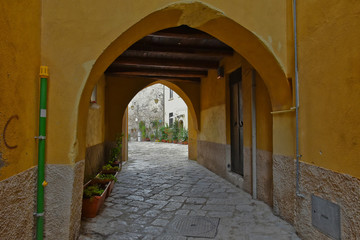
(219, 52)
(165, 63)
(156, 73)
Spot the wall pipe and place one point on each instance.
(298, 156)
(41, 183)
(253, 133)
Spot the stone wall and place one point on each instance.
(146, 106)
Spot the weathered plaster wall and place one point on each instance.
(18, 205)
(19, 76)
(330, 84)
(63, 199)
(341, 189)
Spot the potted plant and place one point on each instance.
(116, 152)
(93, 198)
(106, 178)
(108, 168)
(184, 135)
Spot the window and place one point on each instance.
(94, 95)
(171, 119)
(171, 94)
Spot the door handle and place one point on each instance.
(241, 123)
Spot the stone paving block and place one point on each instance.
(219, 214)
(180, 199)
(182, 212)
(160, 197)
(153, 230)
(160, 222)
(196, 200)
(166, 215)
(135, 197)
(140, 204)
(199, 213)
(192, 206)
(152, 213)
(124, 236)
(171, 206)
(213, 207)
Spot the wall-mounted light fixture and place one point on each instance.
(220, 72)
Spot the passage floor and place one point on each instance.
(160, 194)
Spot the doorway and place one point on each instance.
(236, 118)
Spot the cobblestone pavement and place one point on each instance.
(159, 186)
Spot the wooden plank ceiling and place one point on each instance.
(174, 54)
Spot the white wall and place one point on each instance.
(177, 106)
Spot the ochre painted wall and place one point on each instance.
(330, 84)
(68, 30)
(19, 75)
(95, 131)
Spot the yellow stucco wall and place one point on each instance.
(213, 109)
(94, 33)
(95, 131)
(19, 76)
(329, 56)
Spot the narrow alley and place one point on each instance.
(160, 194)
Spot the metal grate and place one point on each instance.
(195, 226)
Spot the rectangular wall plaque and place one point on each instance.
(326, 217)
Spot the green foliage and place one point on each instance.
(108, 167)
(152, 137)
(175, 130)
(163, 133)
(142, 128)
(116, 151)
(106, 177)
(183, 135)
(93, 190)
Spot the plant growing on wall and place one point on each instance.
(116, 151)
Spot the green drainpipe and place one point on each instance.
(41, 183)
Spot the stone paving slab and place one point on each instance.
(159, 184)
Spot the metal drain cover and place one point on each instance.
(195, 226)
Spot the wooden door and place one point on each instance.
(237, 156)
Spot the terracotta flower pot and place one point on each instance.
(91, 206)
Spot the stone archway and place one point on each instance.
(244, 40)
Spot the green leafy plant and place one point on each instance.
(163, 133)
(116, 151)
(184, 135)
(175, 130)
(106, 177)
(93, 190)
(142, 128)
(108, 167)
